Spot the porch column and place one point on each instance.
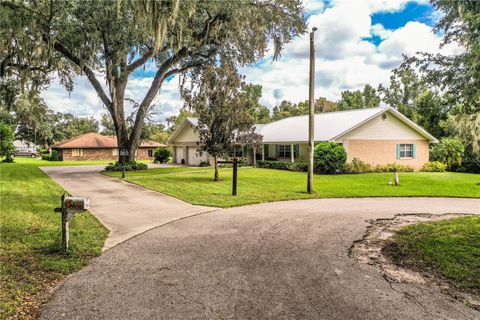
(174, 154)
(254, 156)
(185, 154)
(292, 153)
(263, 152)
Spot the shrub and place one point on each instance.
(280, 165)
(54, 156)
(242, 162)
(204, 163)
(130, 166)
(358, 166)
(329, 157)
(392, 167)
(162, 154)
(300, 166)
(43, 151)
(434, 166)
(268, 164)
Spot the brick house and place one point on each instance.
(373, 135)
(94, 146)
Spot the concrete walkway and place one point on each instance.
(125, 209)
(281, 260)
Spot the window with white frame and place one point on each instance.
(284, 151)
(77, 152)
(115, 152)
(406, 151)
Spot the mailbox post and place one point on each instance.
(70, 206)
(235, 174)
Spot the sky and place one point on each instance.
(358, 42)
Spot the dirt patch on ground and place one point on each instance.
(368, 250)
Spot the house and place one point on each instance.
(94, 146)
(25, 146)
(373, 135)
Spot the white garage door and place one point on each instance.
(193, 157)
(179, 154)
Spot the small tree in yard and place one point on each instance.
(6, 142)
(162, 154)
(329, 157)
(223, 110)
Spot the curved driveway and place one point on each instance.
(124, 208)
(284, 260)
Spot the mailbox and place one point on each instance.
(76, 204)
(70, 206)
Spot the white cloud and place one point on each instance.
(345, 59)
(380, 31)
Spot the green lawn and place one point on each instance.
(263, 185)
(449, 249)
(30, 234)
(153, 171)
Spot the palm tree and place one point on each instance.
(449, 151)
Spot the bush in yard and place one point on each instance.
(434, 166)
(281, 165)
(162, 154)
(204, 163)
(393, 167)
(269, 164)
(329, 157)
(129, 166)
(358, 166)
(299, 166)
(54, 156)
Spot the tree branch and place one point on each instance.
(59, 47)
(140, 61)
(152, 92)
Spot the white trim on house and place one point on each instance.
(400, 116)
(189, 120)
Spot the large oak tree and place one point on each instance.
(107, 40)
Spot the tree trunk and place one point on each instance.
(215, 177)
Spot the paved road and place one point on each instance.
(284, 260)
(140, 209)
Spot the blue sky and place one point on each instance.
(358, 42)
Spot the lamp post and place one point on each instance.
(311, 113)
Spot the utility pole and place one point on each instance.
(311, 113)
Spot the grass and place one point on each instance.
(153, 171)
(449, 249)
(264, 185)
(30, 234)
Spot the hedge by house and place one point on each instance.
(281, 165)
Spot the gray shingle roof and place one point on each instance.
(328, 126)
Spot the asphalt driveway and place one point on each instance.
(125, 209)
(284, 260)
